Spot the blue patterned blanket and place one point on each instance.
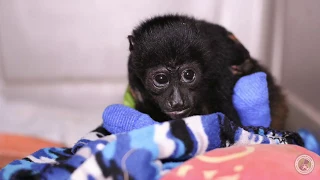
(140, 152)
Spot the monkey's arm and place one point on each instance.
(277, 101)
(244, 65)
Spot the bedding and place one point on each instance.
(260, 161)
(142, 153)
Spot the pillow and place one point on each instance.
(250, 162)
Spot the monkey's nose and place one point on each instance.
(176, 101)
(176, 104)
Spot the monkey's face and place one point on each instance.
(174, 88)
(181, 66)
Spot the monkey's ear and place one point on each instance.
(243, 62)
(243, 68)
(131, 42)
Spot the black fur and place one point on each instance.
(174, 40)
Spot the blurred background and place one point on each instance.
(62, 62)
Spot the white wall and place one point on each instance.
(301, 53)
(301, 62)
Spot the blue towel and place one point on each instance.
(310, 141)
(251, 100)
(140, 152)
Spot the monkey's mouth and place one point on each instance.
(179, 114)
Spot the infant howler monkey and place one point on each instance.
(180, 66)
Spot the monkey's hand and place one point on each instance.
(251, 100)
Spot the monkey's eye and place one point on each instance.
(160, 80)
(188, 75)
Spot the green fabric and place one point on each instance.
(128, 99)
